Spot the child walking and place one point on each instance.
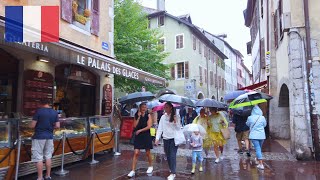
(196, 143)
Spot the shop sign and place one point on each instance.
(126, 127)
(268, 63)
(107, 100)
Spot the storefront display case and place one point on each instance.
(104, 137)
(73, 127)
(8, 136)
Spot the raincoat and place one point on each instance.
(257, 123)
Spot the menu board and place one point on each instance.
(107, 100)
(126, 127)
(37, 86)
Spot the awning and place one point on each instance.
(255, 87)
(76, 55)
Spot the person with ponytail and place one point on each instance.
(168, 125)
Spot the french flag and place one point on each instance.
(32, 23)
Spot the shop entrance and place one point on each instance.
(8, 84)
(75, 91)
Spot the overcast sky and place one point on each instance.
(215, 16)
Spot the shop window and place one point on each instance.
(84, 14)
(179, 41)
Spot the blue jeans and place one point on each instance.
(195, 155)
(171, 151)
(257, 143)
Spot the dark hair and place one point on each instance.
(143, 103)
(45, 102)
(172, 111)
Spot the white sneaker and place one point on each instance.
(150, 169)
(171, 177)
(260, 166)
(217, 160)
(131, 174)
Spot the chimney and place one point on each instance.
(161, 5)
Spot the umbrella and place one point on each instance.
(209, 103)
(164, 91)
(194, 127)
(136, 97)
(160, 107)
(242, 111)
(152, 104)
(249, 99)
(234, 94)
(176, 99)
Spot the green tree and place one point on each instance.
(136, 45)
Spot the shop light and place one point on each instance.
(42, 59)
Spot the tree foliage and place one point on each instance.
(136, 44)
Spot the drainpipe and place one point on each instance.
(313, 115)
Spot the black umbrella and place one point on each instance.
(136, 97)
(210, 103)
(164, 91)
(176, 99)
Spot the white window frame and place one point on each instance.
(164, 44)
(175, 41)
(80, 27)
(184, 70)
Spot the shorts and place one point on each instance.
(244, 135)
(42, 149)
(197, 155)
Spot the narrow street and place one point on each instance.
(279, 164)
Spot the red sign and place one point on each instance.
(37, 86)
(107, 100)
(126, 127)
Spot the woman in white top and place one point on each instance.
(168, 125)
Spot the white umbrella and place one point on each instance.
(193, 128)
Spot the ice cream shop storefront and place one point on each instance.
(79, 83)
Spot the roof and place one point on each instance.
(226, 43)
(194, 29)
(150, 10)
(186, 17)
(245, 67)
(248, 13)
(258, 86)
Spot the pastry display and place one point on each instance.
(94, 126)
(67, 131)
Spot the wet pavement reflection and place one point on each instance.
(279, 164)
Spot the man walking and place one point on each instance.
(44, 121)
(242, 130)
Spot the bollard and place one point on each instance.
(62, 172)
(18, 159)
(116, 139)
(93, 161)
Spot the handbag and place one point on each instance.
(225, 133)
(179, 137)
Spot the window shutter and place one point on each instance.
(275, 28)
(186, 66)
(66, 10)
(173, 73)
(194, 43)
(216, 80)
(95, 18)
(200, 73)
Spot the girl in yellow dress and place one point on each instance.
(218, 122)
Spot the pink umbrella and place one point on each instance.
(160, 107)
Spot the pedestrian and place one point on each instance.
(143, 139)
(196, 143)
(169, 124)
(203, 120)
(218, 122)
(241, 129)
(257, 122)
(190, 115)
(44, 121)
